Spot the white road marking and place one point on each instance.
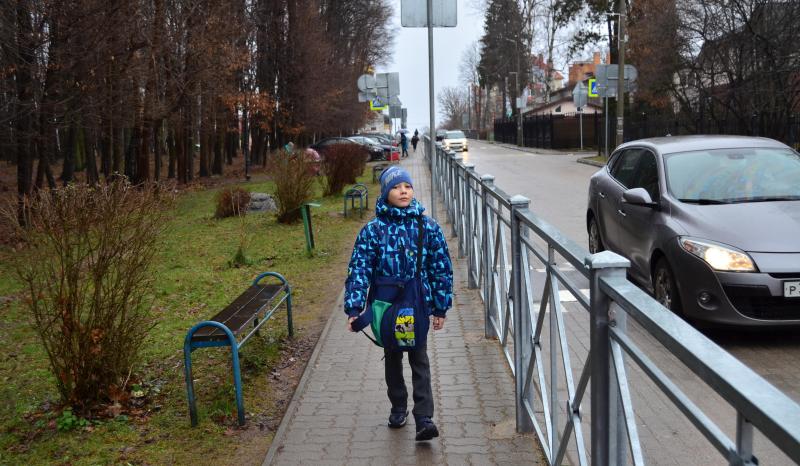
(564, 296)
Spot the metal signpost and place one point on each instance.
(579, 97)
(607, 80)
(418, 14)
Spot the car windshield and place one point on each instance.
(455, 135)
(722, 176)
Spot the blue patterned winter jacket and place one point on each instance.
(387, 246)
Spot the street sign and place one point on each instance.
(579, 95)
(366, 83)
(606, 76)
(414, 13)
(365, 96)
(378, 103)
(395, 111)
(387, 84)
(593, 88)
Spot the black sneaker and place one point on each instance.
(398, 419)
(426, 429)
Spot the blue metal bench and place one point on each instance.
(358, 191)
(255, 306)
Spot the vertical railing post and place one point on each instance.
(487, 183)
(451, 185)
(744, 441)
(522, 318)
(555, 404)
(618, 431)
(603, 264)
(457, 203)
(470, 233)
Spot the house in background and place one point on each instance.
(537, 90)
(561, 102)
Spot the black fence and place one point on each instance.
(563, 131)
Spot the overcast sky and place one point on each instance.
(410, 59)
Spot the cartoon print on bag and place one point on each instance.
(404, 327)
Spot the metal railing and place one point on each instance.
(502, 240)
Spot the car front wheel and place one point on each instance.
(595, 241)
(665, 288)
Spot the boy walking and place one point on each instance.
(388, 248)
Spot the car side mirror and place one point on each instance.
(638, 196)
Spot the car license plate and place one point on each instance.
(791, 289)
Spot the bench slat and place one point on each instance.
(241, 312)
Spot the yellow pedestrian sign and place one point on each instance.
(378, 103)
(593, 88)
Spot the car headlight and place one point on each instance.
(719, 257)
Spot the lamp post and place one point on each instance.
(517, 93)
(620, 14)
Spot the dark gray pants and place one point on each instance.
(420, 380)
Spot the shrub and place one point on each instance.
(293, 175)
(341, 164)
(232, 201)
(84, 258)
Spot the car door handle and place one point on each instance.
(601, 194)
(619, 211)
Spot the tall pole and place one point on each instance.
(519, 108)
(621, 71)
(432, 126)
(469, 106)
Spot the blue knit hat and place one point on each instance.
(391, 177)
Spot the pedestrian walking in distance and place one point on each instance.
(399, 283)
(404, 144)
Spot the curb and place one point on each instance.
(586, 161)
(301, 386)
(533, 150)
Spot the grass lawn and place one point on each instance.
(194, 279)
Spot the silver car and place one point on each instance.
(711, 225)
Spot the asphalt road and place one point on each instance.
(557, 187)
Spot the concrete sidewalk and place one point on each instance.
(339, 412)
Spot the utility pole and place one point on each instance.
(469, 106)
(621, 71)
(432, 130)
(516, 96)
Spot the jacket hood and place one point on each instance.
(384, 209)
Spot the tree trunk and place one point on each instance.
(172, 152)
(92, 176)
(25, 98)
(219, 144)
(157, 150)
(68, 169)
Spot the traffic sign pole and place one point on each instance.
(432, 127)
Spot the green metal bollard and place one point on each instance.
(305, 210)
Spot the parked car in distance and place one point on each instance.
(455, 140)
(322, 145)
(393, 150)
(710, 224)
(377, 151)
(440, 134)
(380, 137)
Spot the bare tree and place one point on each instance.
(739, 64)
(452, 105)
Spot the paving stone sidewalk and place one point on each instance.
(338, 414)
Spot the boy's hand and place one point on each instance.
(438, 323)
(350, 324)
